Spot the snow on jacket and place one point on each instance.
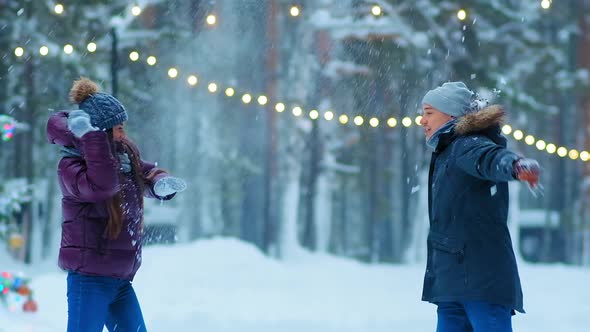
(86, 183)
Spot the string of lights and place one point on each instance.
(7, 127)
(296, 110)
(281, 107)
(392, 122)
(295, 10)
(20, 290)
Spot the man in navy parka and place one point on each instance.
(471, 272)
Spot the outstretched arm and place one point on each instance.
(152, 174)
(481, 157)
(159, 184)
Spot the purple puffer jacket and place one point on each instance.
(86, 183)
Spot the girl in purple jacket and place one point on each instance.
(103, 181)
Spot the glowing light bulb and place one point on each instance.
(573, 154)
(462, 14)
(280, 107)
(211, 19)
(172, 72)
(262, 100)
(545, 4)
(376, 10)
(506, 129)
(192, 80)
(343, 119)
(541, 145)
(68, 49)
(246, 98)
(374, 122)
(551, 148)
(134, 56)
(297, 111)
(518, 135)
(294, 11)
(406, 122)
(91, 47)
(314, 114)
(19, 51)
(58, 9)
(418, 119)
(562, 152)
(212, 87)
(392, 122)
(44, 50)
(358, 120)
(136, 10)
(329, 115)
(151, 60)
(529, 139)
(230, 92)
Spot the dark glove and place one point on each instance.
(527, 170)
(79, 123)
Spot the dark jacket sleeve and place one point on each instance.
(94, 178)
(153, 174)
(479, 156)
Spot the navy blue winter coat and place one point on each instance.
(470, 255)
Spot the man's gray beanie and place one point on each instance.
(452, 98)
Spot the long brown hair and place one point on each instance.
(114, 205)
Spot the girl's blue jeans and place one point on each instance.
(95, 302)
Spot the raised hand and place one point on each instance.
(79, 123)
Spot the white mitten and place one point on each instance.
(79, 123)
(169, 185)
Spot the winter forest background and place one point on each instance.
(279, 180)
(282, 180)
(294, 121)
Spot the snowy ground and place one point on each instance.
(226, 285)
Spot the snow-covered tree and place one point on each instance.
(13, 194)
(283, 181)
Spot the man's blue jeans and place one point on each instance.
(94, 302)
(473, 316)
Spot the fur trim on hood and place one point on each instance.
(489, 116)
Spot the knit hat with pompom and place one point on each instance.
(105, 110)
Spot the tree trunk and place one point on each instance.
(272, 61)
(315, 145)
(583, 60)
(26, 146)
(253, 137)
(323, 46)
(288, 239)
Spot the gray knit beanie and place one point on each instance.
(452, 98)
(105, 110)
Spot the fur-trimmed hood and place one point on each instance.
(490, 116)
